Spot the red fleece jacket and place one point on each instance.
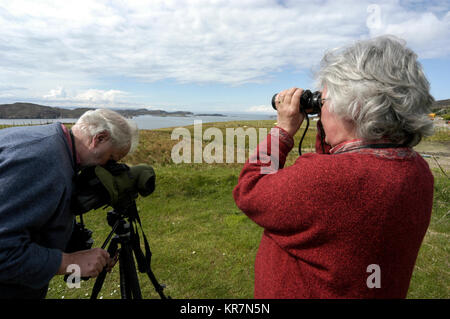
(328, 217)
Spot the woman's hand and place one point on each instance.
(288, 107)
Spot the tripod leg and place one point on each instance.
(112, 249)
(158, 288)
(124, 289)
(129, 282)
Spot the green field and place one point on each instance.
(204, 247)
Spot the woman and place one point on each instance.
(348, 223)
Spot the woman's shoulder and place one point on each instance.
(379, 162)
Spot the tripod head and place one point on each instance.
(127, 237)
(117, 223)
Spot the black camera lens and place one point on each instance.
(310, 102)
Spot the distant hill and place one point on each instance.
(441, 104)
(21, 110)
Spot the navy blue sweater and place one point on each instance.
(36, 182)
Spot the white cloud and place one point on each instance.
(100, 96)
(261, 109)
(424, 31)
(90, 97)
(58, 93)
(6, 95)
(79, 43)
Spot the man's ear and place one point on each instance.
(100, 138)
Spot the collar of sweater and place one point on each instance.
(382, 148)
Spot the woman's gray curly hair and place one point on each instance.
(380, 86)
(124, 133)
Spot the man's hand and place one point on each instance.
(288, 107)
(91, 262)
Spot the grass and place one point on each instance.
(441, 134)
(204, 247)
(431, 276)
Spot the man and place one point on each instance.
(37, 169)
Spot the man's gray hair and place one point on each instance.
(123, 132)
(380, 86)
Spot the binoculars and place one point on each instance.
(310, 102)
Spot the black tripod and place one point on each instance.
(127, 238)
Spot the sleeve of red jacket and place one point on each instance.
(262, 192)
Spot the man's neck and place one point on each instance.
(73, 143)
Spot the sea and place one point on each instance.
(148, 122)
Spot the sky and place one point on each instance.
(197, 55)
